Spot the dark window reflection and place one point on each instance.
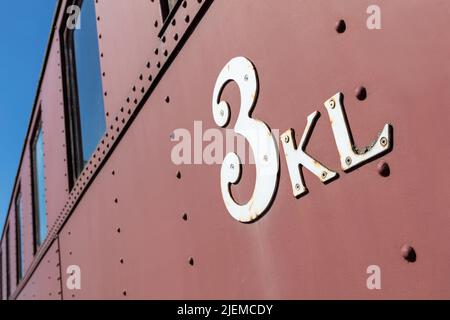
(89, 82)
(40, 210)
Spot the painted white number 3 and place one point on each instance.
(265, 151)
(258, 135)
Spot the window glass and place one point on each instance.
(19, 235)
(40, 210)
(89, 82)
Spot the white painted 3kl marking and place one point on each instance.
(262, 142)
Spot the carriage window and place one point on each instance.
(83, 88)
(39, 208)
(19, 236)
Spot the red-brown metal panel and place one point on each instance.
(82, 243)
(12, 250)
(45, 282)
(27, 211)
(3, 262)
(136, 23)
(55, 152)
(320, 245)
(124, 226)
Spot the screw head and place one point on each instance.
(348, 161)
(332, 103)
(384, 141)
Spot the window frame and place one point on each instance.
(71, 102)
(73, 124)
(19, 235)
(37, 242)
(167, 14)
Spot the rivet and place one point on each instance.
(408, 253)
(286, 139)
(348, 161)
(246, 77)
(383, 168)
(222, 113)
(297, 186)
(361, 93)
(340, 26)
(324, 175)
(383, 141)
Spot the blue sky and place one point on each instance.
(24, 30)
